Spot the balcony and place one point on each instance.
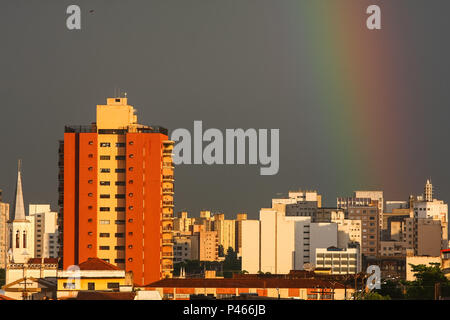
(167, 242)
(167, 267)
(167, 229)
(168, 178)
(167, 164)
(167, 255)
(167, 203)
(168, 191)
(167, 216)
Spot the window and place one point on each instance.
(120, 221)
(105, 209)
(120, 209)
(105, 157)
(104, 221)
(90, 155)
(130, 169)
(89, 246)
(130, 208)
(69, 285)
(105, 144)
(119, 260)
(105, 170)
(105, 196)
(120, 183)
(120, 196)
(90, 181)
(120, 144)
(91, 142)
(104, 235)
(119, 235)
(131, 156)
(90, 168)
(120, 170)
(120, 157)
(91, 286)
(104, 247)
(119, 247)
(105, 183)
(131, 143)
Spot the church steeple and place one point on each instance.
(19, 208)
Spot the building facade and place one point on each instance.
(4, 217)
(116, 193)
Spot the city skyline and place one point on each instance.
(352, 112)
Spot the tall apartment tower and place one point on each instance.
(428, 191)
(116, 194)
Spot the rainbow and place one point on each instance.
(360, 80)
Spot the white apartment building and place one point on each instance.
(45, 226)
(278, 244)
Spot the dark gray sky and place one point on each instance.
(231, 64)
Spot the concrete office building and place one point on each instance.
(341, 261)
(370, 232)
(374, 196)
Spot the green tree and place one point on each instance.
(2, 277)
(391, 289)
(231, 263)
(427, 277)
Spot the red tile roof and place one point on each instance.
(2, 297)
(98, 295)
(97, 264)
(244, 283)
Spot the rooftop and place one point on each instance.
(244, 283)
(97, 264)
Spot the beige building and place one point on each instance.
(429, 237)
(182, 222)
(238, 232)
(226, 232)
(416, 260)
(205, 246)
(4, 217)
(32, 279)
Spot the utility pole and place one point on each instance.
(437, 291)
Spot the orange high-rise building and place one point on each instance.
(116, 193)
